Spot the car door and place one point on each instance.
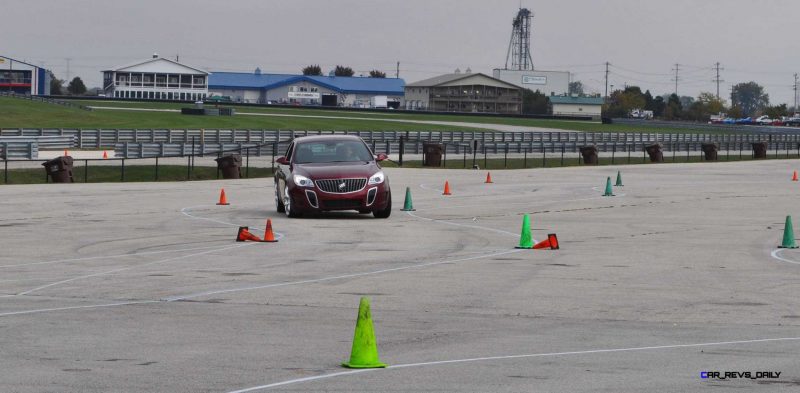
(284, 171)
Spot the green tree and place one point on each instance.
(76, 87)
(750, 97)
(711, 103)
(313, 69)
(343, 71)
(56, 85)
(775, 112)
(735, 112)
(534, 102)
(674, 109)
(377, 74)
(576, 87)
(621, 102)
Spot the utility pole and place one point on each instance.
(68, 60)
(397, 72)
(606, 79)
(795, 93)
(717, 80)
(677, 78)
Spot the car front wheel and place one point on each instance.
(289, 208)
(385, 212)
(278, 200)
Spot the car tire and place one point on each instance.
(279, 201)
(288, 206)
(386, 212)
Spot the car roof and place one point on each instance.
(324, 138)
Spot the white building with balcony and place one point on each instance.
(156, 79)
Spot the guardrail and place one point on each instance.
(45, 142)
(705, 126)
(109, 138)
(18, 150)
(44, 99)
(455, 155)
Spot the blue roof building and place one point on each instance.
(306, 89)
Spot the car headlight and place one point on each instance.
(303, 181)
(377, 178)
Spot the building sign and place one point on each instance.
(303, 94)
(534, 80)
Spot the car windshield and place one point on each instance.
(331, 151)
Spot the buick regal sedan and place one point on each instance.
(332, 172)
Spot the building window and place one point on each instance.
(314, 89)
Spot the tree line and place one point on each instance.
(339, 70)
(746, 99)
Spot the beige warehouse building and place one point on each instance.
(463, 93)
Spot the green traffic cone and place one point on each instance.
(365, 350)
(408, 206)
(788, 234)
(608, 187)
(619, 179)
(525, 240)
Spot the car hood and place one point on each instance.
(337, 170)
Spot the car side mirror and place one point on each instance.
(282, 161)
(381, 157)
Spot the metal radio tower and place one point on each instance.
(519, 48)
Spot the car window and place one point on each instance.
(331, 151)
(289, 151)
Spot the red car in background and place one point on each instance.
(332, 172)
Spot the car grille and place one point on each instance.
(335, 185)
(342, 204)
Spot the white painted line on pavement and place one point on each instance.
(493, 358)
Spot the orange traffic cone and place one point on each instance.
(488, 178)
(794, 176)
(222, 199)
(446, 188)
(552, 242)
(245, 235)
(105, 155)
(269, 237)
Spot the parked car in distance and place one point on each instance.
(793, 121)
(331, 172)
(763, 121)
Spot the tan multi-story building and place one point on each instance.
(465, 92)
(156, 79)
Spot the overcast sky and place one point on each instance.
(642, 39)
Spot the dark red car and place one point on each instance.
(333, 172)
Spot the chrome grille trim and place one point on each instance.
(310, 195)
(331, 186)
(371, 194)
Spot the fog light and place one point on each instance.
(312, 198)
(371, 194)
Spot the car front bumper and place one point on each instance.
(370, 198)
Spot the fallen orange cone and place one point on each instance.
(446, 188)
(245, 235)
(551, 241)
(488, 178)
(223, 200)
(269, 237)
